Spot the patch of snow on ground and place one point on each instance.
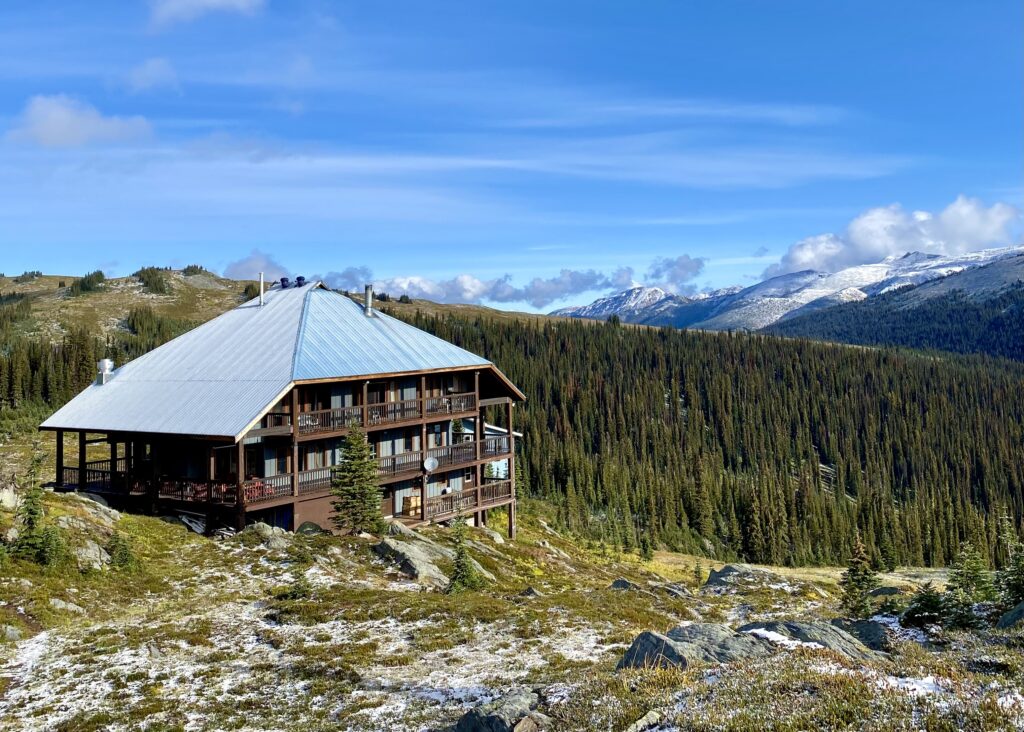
(892, 623)
(924, 686)
(780, 640)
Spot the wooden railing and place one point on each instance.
(450, 404)
(196, 490)
(495, 491)
(451, 504)
(316, 480)
(460, 452)
(495, 446)
(390, 412)
(266, 489)
(330, 420)
(280, 422)
(402, 463)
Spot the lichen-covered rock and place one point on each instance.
(501, 715)
(10, 633)
(717, 643)
(812, 633)
(732, 575)
(90, 555)
(672, 589)
(57, 604)
(645, 722)
(1012, 617)
(531, 591)
(871, 633)
(493, 535)
(413, 560)
(653, 650)
(624, 584)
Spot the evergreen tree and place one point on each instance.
(646, 549)
(857, 582)
(926, 608)
(464, 574)
(969, 576)
(356, 487)
(698, 572)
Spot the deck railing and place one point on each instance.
(391, 412)
(197, 490)
(495, 491)
(405, 462)
(315, 480)
(450, 403)
(460, 452)
(495, 446)
(330, 420)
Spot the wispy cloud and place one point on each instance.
(165, 12)
(62, 121)
(153, 73)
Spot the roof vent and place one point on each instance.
(368, 301)
(300, 281)
(106, 370)
(284, 283)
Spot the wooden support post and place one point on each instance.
(211, 470)
(295, 442)
(113, 462)
(240, 503)
(366, 407)
(81, 461)
(423, 397)
(512, 517)
(60, 458)
(511, 476)
(423, 498)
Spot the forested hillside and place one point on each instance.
(770, 449)
(953, 321)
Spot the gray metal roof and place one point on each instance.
(219, 378)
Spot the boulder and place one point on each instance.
(737, 574)
(57, 604)
(308, 528)
(73, 523)
(653, 650)
(10, 633)
(812, 633)
(272, 537)
(545, 544)
(413, 561)
(624, 584)
(871, 633)
(886, 591)
(717, 643)
(493, 535)
(502, 715)
(672, 589)
(90, 555)
(1012, 617)
(645, 722)
(531, 591)
(97, 507)
(429, 548)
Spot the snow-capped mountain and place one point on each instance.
(782, 297)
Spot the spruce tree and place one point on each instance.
(858, 581)
(464, 574)
(926, 608)
(969, 576)
(356, 487)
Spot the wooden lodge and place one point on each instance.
(242, 419)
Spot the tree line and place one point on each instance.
(748, 446)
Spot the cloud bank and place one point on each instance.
(153, 73)
(62, 121)
(165, 12)
(964, 225)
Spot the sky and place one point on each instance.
(527, 155)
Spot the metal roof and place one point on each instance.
(217, 379)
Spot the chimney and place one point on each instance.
(284, 283)
(261, 289)
(368, 301)
(106, 370)
(300, 281)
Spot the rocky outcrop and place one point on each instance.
(545, 544)
(57, 604)
(738, 575)
(1011, 617)
(717, 643)
(871, 633)
(672, 589)
(645, 722)
(513, 712)
(624, 584)
(653, 650)
(272, 537)
(413, 560)
(425, 547)
(90, 555)
(812, 634)
(10, 633)
(493, 535)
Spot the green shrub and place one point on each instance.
(121, 554)
(153, 280)
(90, 283)
(251, 291)
(464, 574)
(926, 607)
(858, 581)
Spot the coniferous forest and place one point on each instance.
(744, 446)
(773, 450)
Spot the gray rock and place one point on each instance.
(545, 544)
(816, 631)
(8, 499)
(397, 528)
(717, 643)
(531, 591)
(260, 529)
(737, 574)
(277, 543)
(672, 589)
(413, 561)
(493, 535)
(645, 722)
(11, 535)
(624, 584)
(653, 650)
(91, 555)
(886, 591)
(73, 523)
(1012, 617)
(58, 604)
(10, 633)
(97, 507)
(501, 715)
(431, 549)
(871, 633)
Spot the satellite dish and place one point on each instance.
(430, 464)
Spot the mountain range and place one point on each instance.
(794, 295)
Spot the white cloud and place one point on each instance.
(249, 268)
(62, 121)
(963, 226)
(674, 273)
(153, 73)
(165, 12)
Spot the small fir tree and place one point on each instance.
(356, 488)
(970, 577)
(464, 574)
(1010, 578)
(646, 549)
(926, 608)
(34, 542)
(858, 581)
(121, 554)
(698, 572)
(959, 611)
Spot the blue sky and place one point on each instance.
(528, 155)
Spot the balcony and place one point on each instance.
(384, 414)
(447, 456)
(450, 505)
